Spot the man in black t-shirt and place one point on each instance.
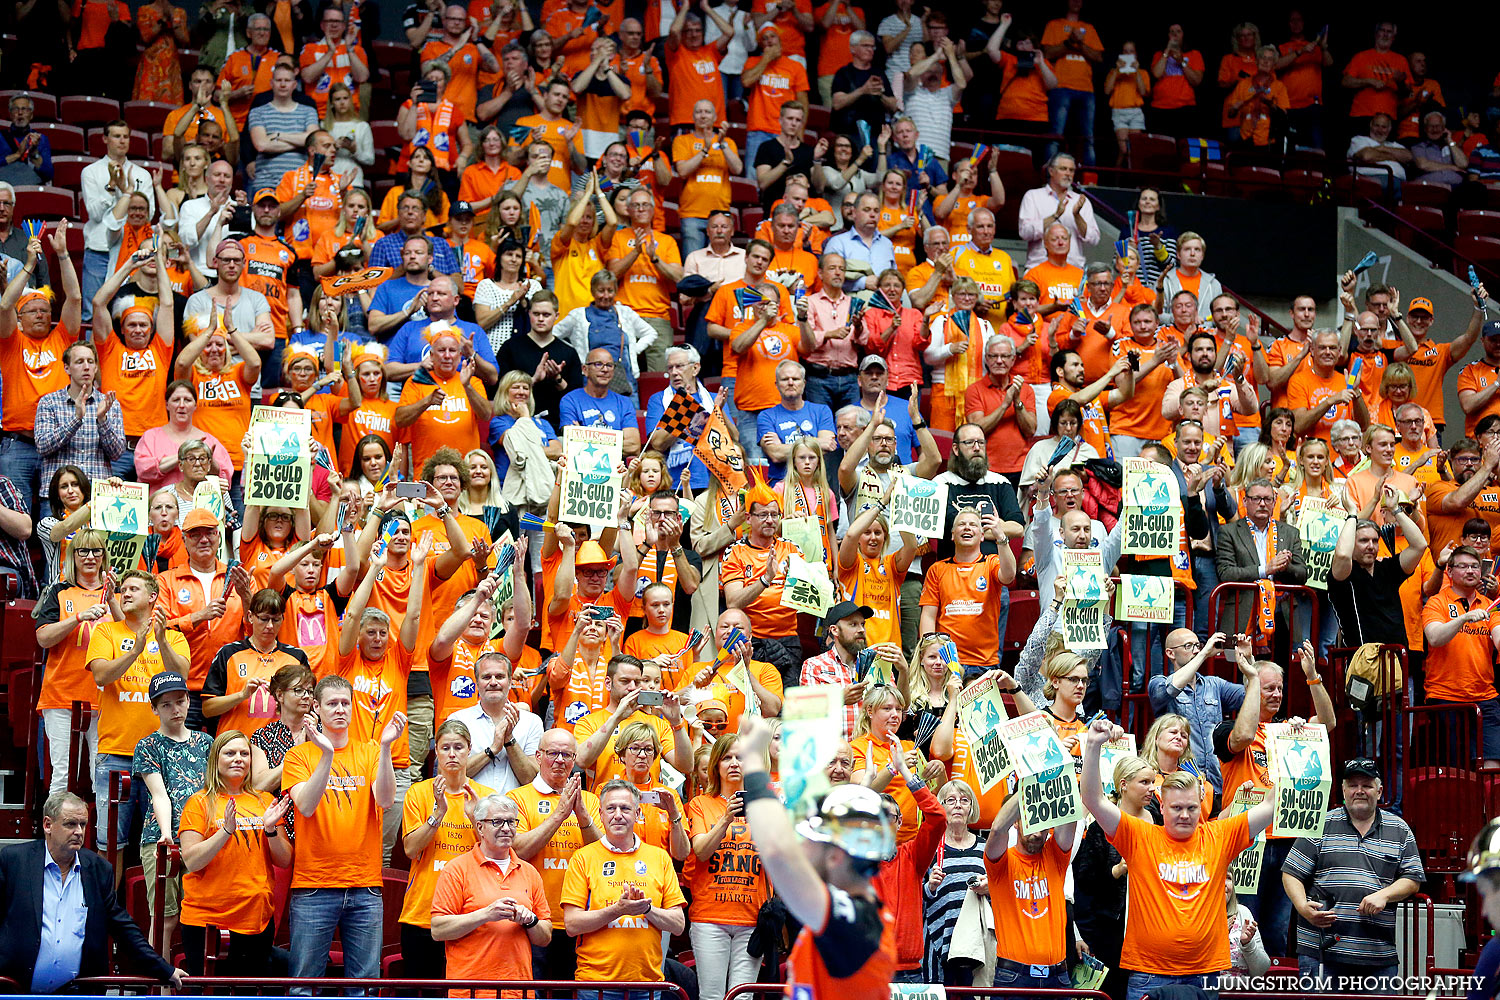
(787, 154)
(507, 100)
(549, 360)
(972, 486)
(860, 91)
(1365, 589)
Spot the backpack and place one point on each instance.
(1368, 681)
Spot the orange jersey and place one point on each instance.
(755, 388)
(268, 264)
(534, 803)
(873, 583)
(31, 367)
(372, 416)
(175, 117)
(1031, 914)
(1304, 77)
(67, 678)
(311, 624)
(1174, 917)
(317, 216)
(1463, 669)
(633, 69)
(233, 668)
(453, 838)
(1428, 366)
(476, 261)
(609, 764)
(245, 69)
(707, 188)
(724, 310)
(745, 563)
(1476, 375)
(731, 886)
(338, 846)
(1023, 97)
(553, 130)
(379, 693)
(125, 715)
(870, 755)
(1173, 90)
(695, 77)
(808, 974)
(340, 69)
(453, 424)
(904, 241)
(1308, 389)
(1095, 429)
(793, 43)
(224, 407)
(643, 287)
(967, 597)
(138, 379)
(627, 949)
(233, 891)
(480, 181)
(182, 595)
(1371, 64)
(464, 64)
(1074, 71)
(1279, 355)
(1140, 415)
(783, 80)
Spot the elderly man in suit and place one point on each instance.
(1259, 547)
(60, 910)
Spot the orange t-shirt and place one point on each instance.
(496, 949)
(480, 182)
(1031, 916)
(755, 387)
(833, 45)
(318, 215)
(731, 886)
(338, 846)
(31, 367)
(1427, 93)
(633, 69)
(707, 188)
(1463, 670)
(372, 416)
(627, 949)
(453, 684)
(643, 287)
(1280, 354)
(575, 51)
(1092, 347)
(695, 77)
(905, 242)
(453, 424)
(312, 625)
(793, 43)
(744, 563)
(67, 678)
(339, 70)
(1371, 64)
(724, 310)
(453, 838)
(224, 407)
(1074, 72)
(125, 716)
(233, 891)
(869, 755)
(1234, 68)
(464, 63)
(175, 117)
(181, 595)
(1428, 366)
(1475, 375)
(137, 378)
(967, 596)
(957, 224)
(1304, 77)
(1308, 389)
(1095, 430)
(243, 69)
(1022, 97)
(1174, 917)
(561, 172)
(268, 264)
(533, 806)
(476, 261)
(379, 693)
(873, 583)
(1140, 415)
(608, 765)
(1059, 283)
(1173, 90)
(782, 81)
(1005, 444)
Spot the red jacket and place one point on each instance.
(899, 881)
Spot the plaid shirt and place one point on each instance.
(827, 668)
(13, 554)
(65, 438)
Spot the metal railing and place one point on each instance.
(283, 985)
(762, 989)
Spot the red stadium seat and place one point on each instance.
(1425, 193)
(1303, 158)
(1476, 222)
(651, 383)
(743, 191)
(45, 202)
(45, 105)
(391, 55)
(82, 110)
(1482, 250)
(1303, 183)
(1257, 182)
(1351, 189)
(819, 117)
(670, 218)
(1148, 151)
(385, 135)
(62, 138)
(66, 170)
(148, 116)
(75, 238)
(1423, 218)
(751, 217)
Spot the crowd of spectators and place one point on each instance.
(582, 776)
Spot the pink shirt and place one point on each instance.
(721, 269)
(903, 353)
(156, 445)
(826, 315)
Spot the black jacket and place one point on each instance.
(21, 900)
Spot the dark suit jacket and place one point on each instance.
(1238, 557)
(21, 904)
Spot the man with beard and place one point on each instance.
(753, 572)
(973, 486)
(845, 631)
(251, 311)
(1472, 492)
(402, 298)
(1004, 407)
(1241, 748)
(1365, 862)
(881, 450)
(1430, 360)
(962, 595)
(1069, 377)
(1202, 351)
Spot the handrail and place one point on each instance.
(1485, 270)
(279, 985)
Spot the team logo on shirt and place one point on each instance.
(1184, 880)
(981, 584)
(462, 686)
(184, 595)
(575, 711)
(609, 869)
(640, 867)
(544, 808)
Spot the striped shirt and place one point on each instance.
(940, 909)
(827, 668)
(1343, 868)
(269, 168)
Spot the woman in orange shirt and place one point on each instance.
(1278, 430)
(897, 223)
(1065, 678)
(952, 209)
(365, 411)
(65, 619)
(880, 715)
(421, 179)
(354, 230)
(230, 836)
(659, 823)
(729, 885)
(435, 829)
(268, 534)
(224, 402)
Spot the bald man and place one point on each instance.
(1203, 701)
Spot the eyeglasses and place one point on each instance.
(95, 553)
(641, 750)
(1189, 644)
(498, 824)
(271, 620)
(1080, 681)
(559, 755)
(599, 364)
(766, 515)
(1068, 493)
(715, 727)
(304, 692)
(1259, 499)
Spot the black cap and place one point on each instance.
(844, 609)
(165, 683)
(461, 208)
(1361, 767)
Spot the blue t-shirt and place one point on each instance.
(789, 425)
(498, 426)
(387, 253)
(680, 454)
(392, 295)
(409, 346)
(579, 409)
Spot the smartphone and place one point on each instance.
(411, 490)
(429, 92)
(600, 613)
(1134, 358)
(1486, 566)
(985, 506)
(651, 797)
(649, 699)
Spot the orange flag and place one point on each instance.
(356, 281)
(717, 450)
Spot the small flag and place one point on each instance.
(533, 522)
(857, 308)
(911, 203)
(977, 157)
(505, 559)
(717, 450)
(356, 281)
(746, 297)
(864, 132)
(879, 301)
(534, 224)
(678, 416)
(1122, 248)
(33, 228)
(1366, 262)
(1130, 224)
(635, 136)
(961, 319)
(1354, 370)
(1064, 445)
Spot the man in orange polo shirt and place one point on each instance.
(332, 59)
(753, 572)
(181, 124)
(248, 70)
(339, 785)
(1004, 407)
(1430, 360)
(465, 58)
(312, 200)
(1031, 922)
(489, 907)
(648, 265)
(962, 595)
(1462, 634)
(1378, 76)
(1477, 382)
(1174, 932)
(1319, 394)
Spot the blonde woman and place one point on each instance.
(351, 133)
(660, 822)
(880, 755)
(355, 231)
(805, 493)
(1099, 873)
(930, 689)
(1189, 276)
(484, 486)
(871, 575)
(231, 835)
(1253, 462)
(1311, 476)
(528, 445)
(1168, 741)
(192, 175)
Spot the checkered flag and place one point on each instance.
(680, 416)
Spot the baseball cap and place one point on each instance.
(267, 195)
(1361, 767)
(1492, 328)
(165, 683)
(845, 609)
(461, 208)
(591, 553)
(872, 361)
(199, 517)
(1422, 303)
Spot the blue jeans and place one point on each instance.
(1056, 978)
(124, 466)
(745, 420)
(833, 391)
(1270, 907)
(21, 465)
(95, 270)
(1245, 437)
(1079, 104)
(357, 913)
(734, 88)
(694, 235)
(104, 764)
(1311, 968)
(753, 142)
(1142, 983)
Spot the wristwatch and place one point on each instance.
(510, 743)
(490, 752)
(919, 425)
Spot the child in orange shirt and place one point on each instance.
(1127, 85)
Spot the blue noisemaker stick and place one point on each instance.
(1366, 262)
(1479, 300)
(534, 522)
